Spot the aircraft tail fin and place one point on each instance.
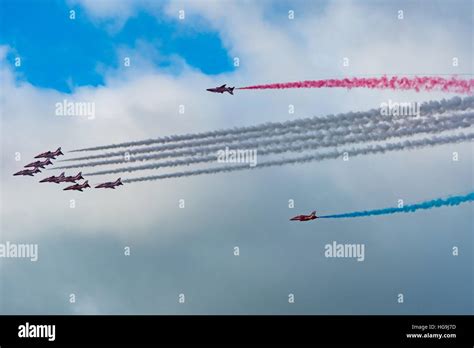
(231, 90)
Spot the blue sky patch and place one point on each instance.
(60, 53)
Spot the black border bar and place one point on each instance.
(260, 329)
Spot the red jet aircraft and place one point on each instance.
(222, 89)
(55, 179)
(77, 187)
(29, 172)
(73, 178)
(50, 154)
(111, 184)
(39, 164)
(311, 216)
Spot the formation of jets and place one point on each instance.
(34, 168)
(222, 89)
(40, 164)
(55, 179)
(63, 178)
(309, 217)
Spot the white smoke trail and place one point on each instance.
(339, 136)
(266, 129)
(371, 149)
(307, 142)
(303, 126)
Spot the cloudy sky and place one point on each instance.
(79, 56)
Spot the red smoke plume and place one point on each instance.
(453, 84)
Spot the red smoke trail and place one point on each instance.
(452, 84)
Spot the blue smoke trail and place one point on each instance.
(435, 203)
